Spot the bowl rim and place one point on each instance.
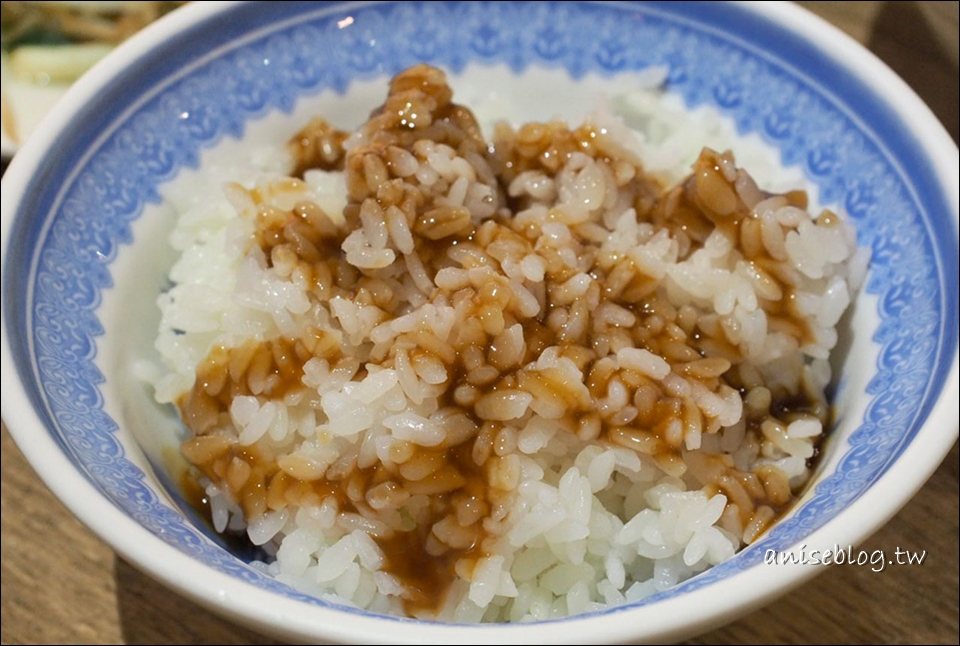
(257, 608)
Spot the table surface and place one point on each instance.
(61, 584)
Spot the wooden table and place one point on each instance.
(61, 584)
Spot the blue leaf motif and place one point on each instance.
(550, 44)
(611, 56)
(822, 161)
(727, 95)
(778, 125)
(486, 41)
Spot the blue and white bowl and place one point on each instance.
(82, 263)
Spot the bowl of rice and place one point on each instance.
(483, 322)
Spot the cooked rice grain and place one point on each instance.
(506, 380)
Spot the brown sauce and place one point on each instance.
(317, 145)
(459, 480)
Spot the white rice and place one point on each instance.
(571, 493)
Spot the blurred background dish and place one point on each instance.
(48, 45)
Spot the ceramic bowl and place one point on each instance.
(83, 259)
